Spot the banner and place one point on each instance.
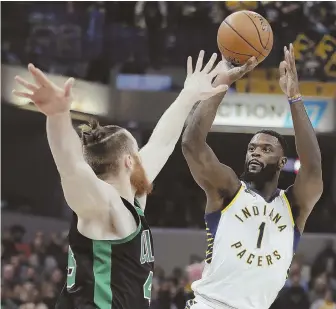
(317, 48)
(272, 111)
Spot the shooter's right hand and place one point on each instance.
(228, 73)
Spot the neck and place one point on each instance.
(123, 186)
(266, 190)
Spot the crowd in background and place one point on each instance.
(33, 275)
(87, 39)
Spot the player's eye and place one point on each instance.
(267, 149)
(250, 148)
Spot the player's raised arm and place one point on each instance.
(218, 180)
(84, 192)
(162, 142)
(308, 185)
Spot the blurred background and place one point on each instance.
(129, 60)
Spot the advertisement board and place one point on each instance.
(272, 111)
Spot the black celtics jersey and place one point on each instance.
(108, 274)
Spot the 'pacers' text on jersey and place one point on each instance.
(250, 248)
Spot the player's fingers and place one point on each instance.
(250, 65)
(68, 86)
(199, 62)
(210, 63)
(217, 69)
(25, 83)
(220, 88)
(39, 76)
(22, 94)
(285, 53)
(288, 61)
(282, 68)
(189, 66)
(287, 56)
(226, 64)
(292, 56)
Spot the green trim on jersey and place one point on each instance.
(140, 212)
(138, 208)
(102, 270)
(126, 239)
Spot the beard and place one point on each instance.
(267, 173)
(139, 180)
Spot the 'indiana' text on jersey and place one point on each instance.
(251, 244)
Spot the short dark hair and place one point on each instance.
(103, 145)
(280, 138)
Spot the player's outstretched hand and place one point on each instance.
(229, 73)
(48, 98)
(199, 82)
(289, 82)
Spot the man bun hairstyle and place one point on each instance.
(103, 146)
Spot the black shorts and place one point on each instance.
(65, 301)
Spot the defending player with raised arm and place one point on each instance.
(106, 179)
(253, 228)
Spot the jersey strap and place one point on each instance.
(234, 198)
(138, 208)
(211, 225)
(284, 197)
(136, 216)
(297, 234)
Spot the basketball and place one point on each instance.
(244, 34)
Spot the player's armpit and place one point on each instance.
(216, 179)
(306, 191)
(86, 194)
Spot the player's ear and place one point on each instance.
(282, 162)
(128, 161)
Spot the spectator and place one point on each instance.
(152, 15)
(294, 297)
(164, 299)
(326, 303)
(325, 261)
(8, 279)
(319, 288)
(7, 245)
(294, 273)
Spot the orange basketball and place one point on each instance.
(244, 34)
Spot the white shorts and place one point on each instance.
(201, 303)
(191, 304)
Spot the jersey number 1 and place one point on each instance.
(261, 234)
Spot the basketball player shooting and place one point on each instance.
(253, 228)
(106, 179)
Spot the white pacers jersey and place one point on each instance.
(251, 244)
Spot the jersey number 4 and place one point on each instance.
(147, 257)
(147, 287)
(261, 234)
